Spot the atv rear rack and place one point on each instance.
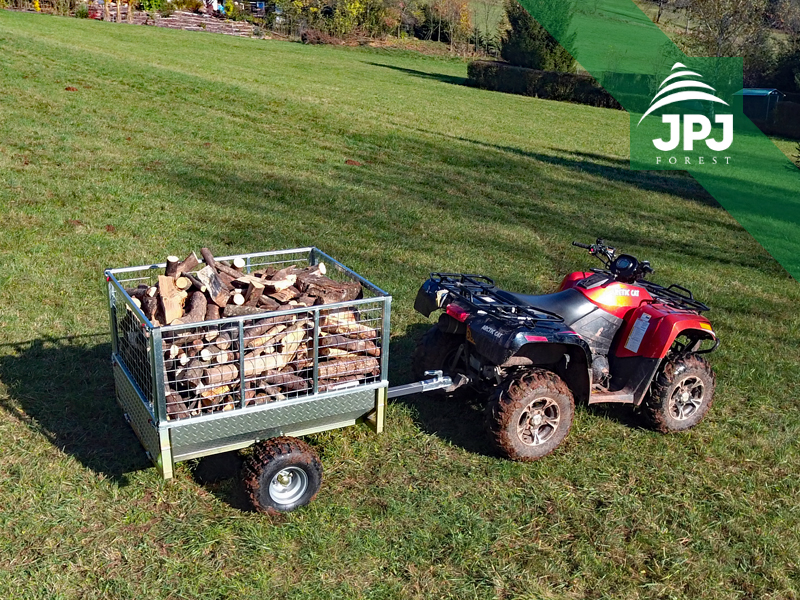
(481, 294)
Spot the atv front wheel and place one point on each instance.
(439, 351)
(681, 395)
(530, 414)
(281, 475)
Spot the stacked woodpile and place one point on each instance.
(204, 362)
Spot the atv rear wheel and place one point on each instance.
(439, 351)
(530, 414)
(281, 475)
(681, 395)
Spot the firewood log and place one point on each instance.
(222, 339)
(194, 348)
(339, 342)
(209, 258)
(256, 363)
(188, 264)
(208, 353)
(183, 283)
(335, 317)
(329, 385)
(268, 303)
(268, 337)
(197, 310)
(171, 298)
(354, 330)
(239, 263)
(308, 275)
(171, 269)
(192, 373)
(137, 292)
(291, 342)
(176, 409)
(198, 285)
(303, 359)
(351, 365)
(219, 267)
(254, 291)
(149, 306)
(220, 375)
(283, 296)
(333, 352)
(231, 310)
(212, 312)
(237, 299)
(330, 291)
(214, 287)
(285, 380)
(306, 300)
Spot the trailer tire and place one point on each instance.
(530, 414)
(681, 394)
(436, 352)
(281, 474)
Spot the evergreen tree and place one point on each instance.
(527, 44)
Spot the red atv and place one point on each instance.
(608, 335)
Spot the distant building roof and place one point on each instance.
(757, 92)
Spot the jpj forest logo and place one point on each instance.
(696, 126)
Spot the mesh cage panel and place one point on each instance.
(133, 344)
(238, 363)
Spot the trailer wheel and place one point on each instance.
(530, 414)
(282, 474)
(681, 394)
(439, 351)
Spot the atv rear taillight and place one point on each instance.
(535, 338)
(458, 313)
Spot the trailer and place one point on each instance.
(283, 472)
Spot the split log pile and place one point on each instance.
(203, 362)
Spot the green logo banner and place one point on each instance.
(686, 113)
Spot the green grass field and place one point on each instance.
(175, 140)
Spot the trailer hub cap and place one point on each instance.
(687, 398)
(538, 422)
(288, 485)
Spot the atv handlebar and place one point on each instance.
(584, 246)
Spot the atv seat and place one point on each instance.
(570, 304)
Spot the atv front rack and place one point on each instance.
(675, 295)
(480, 293)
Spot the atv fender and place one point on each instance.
(662, 324)
(571, 362)
(430, 297)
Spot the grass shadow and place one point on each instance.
(462, 422)
(220, 474)
(63, 389)
(459, 422)
(452, 79)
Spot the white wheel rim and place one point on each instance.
(686, 398)
(288, 485)
(538, 422)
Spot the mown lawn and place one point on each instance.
(175, 140)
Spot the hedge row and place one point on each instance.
(784, 121)
(501, 77)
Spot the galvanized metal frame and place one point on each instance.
(224, 431)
